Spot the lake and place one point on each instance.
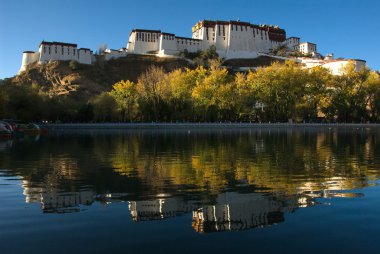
(263, 190)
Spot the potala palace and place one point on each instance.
(231, 39)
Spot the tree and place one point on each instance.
(372, 85)
(152, 91)
(179, 84)
(245, 98)
(208, 95)
(24, 103)
(105, 108)
(314, 97)
(278, 88)
(125, 95)
(348, 95)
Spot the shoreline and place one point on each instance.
(67, 126)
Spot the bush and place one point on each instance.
(74, 65)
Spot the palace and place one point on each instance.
(231, 40)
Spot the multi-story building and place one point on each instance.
(306, 48)
(56, 51)
(232, 39)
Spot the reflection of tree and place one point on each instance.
(289, 161)
(297, 163)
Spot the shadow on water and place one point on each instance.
(227, 179)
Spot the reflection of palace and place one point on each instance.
(234, 211)
(159, 208)
(53, 201)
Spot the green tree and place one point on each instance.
(105, 108)
(24, 103)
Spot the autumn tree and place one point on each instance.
(314, 97)
(278, 88)
(152, 91)
(125, 95)
(208, 94)
(372, 85)
(348, 95)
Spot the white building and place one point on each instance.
(292, 42)
(232, 39)
(56, 51)
(114, 54)
(143, 41)
(306, 48)
(338, 66)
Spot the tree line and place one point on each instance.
(277, 93)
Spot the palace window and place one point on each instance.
(68, 51)
(232, 27)
(49, 50)
(55, 48)
(74, 52)
(44, 49)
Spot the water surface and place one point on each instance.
(227, 190)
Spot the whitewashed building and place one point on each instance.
(292, 42)
(143, 41)
(114, 54)
(306, 48)
(232, 39)
(56, 51)
(338, 66)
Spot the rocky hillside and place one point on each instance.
(74, 79)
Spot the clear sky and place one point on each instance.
(348, 28)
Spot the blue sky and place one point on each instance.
(348, 28)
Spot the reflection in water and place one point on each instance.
(227, 179)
